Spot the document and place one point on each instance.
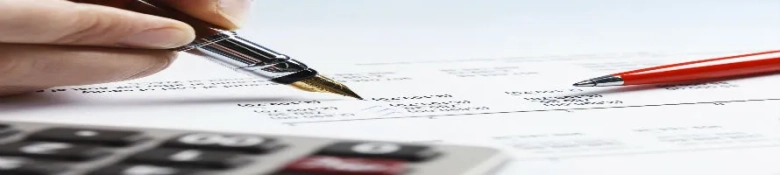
(524, 105)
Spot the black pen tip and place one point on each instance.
(603, 81)
(585, 83)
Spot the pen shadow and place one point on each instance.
(614, 90)
(28, 102)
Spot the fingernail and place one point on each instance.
(235, 10)
(163, 38)
(157, 66)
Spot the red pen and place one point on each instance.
(701, 70)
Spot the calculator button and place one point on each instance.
(9, 165)
(89, 136)
(223, 142)
(7, 130)
(323, 165)
(52, 150)
(143, 170)
(189, 158)
(379, 150)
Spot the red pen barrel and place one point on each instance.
(708, 69)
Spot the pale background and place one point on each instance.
(331, 31)
(372, 30)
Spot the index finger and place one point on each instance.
(229, 14)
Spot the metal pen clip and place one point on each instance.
(228, 49)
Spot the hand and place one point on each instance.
(49, 43)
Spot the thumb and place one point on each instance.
(68, 23)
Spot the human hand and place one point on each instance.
(49, 43)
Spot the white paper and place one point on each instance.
(525, 105)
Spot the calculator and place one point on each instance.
(31, 148)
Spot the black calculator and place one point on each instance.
(28, 148)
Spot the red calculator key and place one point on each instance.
(327, 165)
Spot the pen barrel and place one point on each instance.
(234, 52)
(221, 46)
(708, 69)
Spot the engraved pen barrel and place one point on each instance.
(241, 55)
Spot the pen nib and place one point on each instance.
(323, 84)
(608, 80)
(586, 83)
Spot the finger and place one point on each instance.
(32, 67)
(229, 14)
(68, 23)
(8, 91)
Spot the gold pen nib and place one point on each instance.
(323, 84)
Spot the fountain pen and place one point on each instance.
(226, 48)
